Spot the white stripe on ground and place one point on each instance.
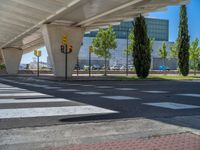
(120, 97)
(52, 111)
(10, 88)
(88, 93)
(22, 94)
(156, 92)
(171, 105)
(125, 89)
(45, 100)
(68, 90)
(190, 95)
(49, 88)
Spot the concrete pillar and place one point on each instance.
(52, 35)
(1, 57)
(12, 58)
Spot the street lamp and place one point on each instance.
(65, 50)
(90, 53)
(38, 53)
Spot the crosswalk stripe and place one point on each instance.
(22, 94)
(10, 88)
(45, 100)
(52, 111)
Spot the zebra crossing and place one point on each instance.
(67, 107)
(10, 95)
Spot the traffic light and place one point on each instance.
(62, 48)
(35, 52)
(90, 49)
(70, 48)
(39, 53)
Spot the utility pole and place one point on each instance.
(127, 53)
(90, 53)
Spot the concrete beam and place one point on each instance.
(53, 39)
(12, 58)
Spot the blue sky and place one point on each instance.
(172, 14)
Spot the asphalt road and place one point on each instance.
(27, 102)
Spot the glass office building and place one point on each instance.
(157, 29)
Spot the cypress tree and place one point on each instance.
(183, 42)
(141, 48)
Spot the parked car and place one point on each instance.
(162, 67)
(123, 67)
(86, 67)
(130, 67)
(96, 67)
(116, 67)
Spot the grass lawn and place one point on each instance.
(160, 77)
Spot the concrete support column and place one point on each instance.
(12, 58)
(1, 57)
(52, 35)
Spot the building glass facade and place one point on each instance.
(157, 29)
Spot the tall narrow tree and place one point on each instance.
(195, 55)
(141, 49)
(183, 42)
(163, 53)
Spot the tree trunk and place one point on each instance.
(195, 68)
(105, 73)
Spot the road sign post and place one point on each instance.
(66, 50)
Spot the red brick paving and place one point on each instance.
(183, 141)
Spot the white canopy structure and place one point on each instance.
(22, 21)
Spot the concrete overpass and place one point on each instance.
(29, 24)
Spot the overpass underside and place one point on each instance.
(26, 25)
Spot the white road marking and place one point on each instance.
(45, 100)
(190, 95)
(156, 92)
(22, 94)
(125, 89)
(171, 105)
(89, 93)
(120, 97)
(11, 88)
(68, 90)
(52, 111)
(87, 85)
(104, 87)
(51, 88)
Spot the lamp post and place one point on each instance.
(127, 53)
(66, 50)
(38, 53)
(90, 53)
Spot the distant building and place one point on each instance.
(158, 29)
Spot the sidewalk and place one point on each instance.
(123, 135)
(183, 141)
